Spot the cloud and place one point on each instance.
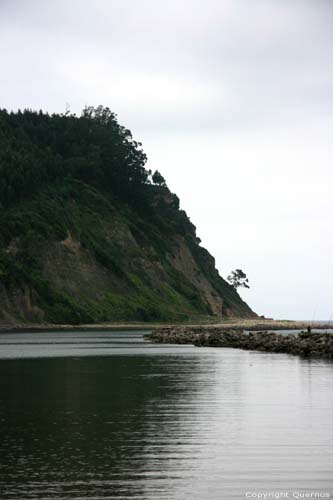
(235, 64)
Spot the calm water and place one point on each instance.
(102, 415)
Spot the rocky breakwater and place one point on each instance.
(178, 334)
(303, 344)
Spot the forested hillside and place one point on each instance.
(87, 234)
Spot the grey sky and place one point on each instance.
(233, 102)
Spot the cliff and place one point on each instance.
(87, 234)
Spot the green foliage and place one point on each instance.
(59, 307)
(185, 288)
(37, 149)
(74, 192)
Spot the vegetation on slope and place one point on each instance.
(87, 234)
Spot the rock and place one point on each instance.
(305, 344)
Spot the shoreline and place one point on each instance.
(233, 324)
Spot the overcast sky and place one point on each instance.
(233, 102)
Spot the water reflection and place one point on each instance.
(173, 424)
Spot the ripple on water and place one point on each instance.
(96, 415)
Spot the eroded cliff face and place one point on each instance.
(18, 303)
(112, 266)
(184, 261)
(87, 234)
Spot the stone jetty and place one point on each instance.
(306, 344)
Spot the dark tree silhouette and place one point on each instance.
(238, 279)
(158, 179)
